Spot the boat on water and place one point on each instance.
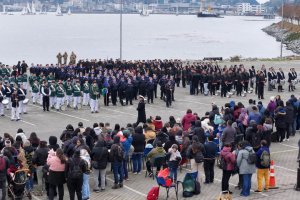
(208, 12)
(58, 11)
(144, 12)
(33, 11)
(69, 12)
(29, 10)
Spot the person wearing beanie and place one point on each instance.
(116, 157)
(53, 143)
(74, 169)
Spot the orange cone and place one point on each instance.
(272, 183)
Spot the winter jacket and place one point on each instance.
(100, 154)
(155, 153)
(161, 136)
(186, 121)
(271, 106)
(228, 135)
(211, 149)
(40, 156)
(70, 166)
(138, 142)
(54, 163)
(290, 115)
(256, 116)
(53, 143)
(127, 144)
(258, 154)
(22, 135)
(229, 158)
(206, 126)
(169, 143)
(280, 118)
(150, 135)
(158, 124)
(242, 161)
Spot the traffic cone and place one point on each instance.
(272, 182)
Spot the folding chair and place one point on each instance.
(162, 183)
(188, 183)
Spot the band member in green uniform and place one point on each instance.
(94, 95)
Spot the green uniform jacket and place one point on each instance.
(53, 90)
(24, 78)
(69, 90)
(86, 88)
(76, 91)
(60, 92)
(35, 88)
(93, 92)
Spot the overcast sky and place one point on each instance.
(262, 1)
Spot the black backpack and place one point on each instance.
(120, 154)
(76, 171)
(252, 157)
(223, 163)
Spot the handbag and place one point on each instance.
(224, 196)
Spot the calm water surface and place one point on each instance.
(39, 38)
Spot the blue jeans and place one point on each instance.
(118, 172)
(125, 170)
(246, 184)
(29, 183)
(173, 173)
(137, 162)
(85, 186)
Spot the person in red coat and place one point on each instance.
(187, 119)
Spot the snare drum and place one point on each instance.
(5, 102)
(25, 101)
(63, 108)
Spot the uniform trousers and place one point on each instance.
(59, 102)
(22, 107)
(15, 113)
(94, 105)
(76, 101)
(35, 97)
(86, 98)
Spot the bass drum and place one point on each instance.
(63, 108)
(5, 102)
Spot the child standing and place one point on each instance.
(173, 158)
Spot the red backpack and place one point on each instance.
(153, 193)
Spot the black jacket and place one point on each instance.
(138, 142)
(289, 110)
(100, 154)
(40, 156)
(71, 163)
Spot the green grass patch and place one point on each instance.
(293, 36)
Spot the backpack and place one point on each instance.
(197, 187)
(265, 159)
(120, 154)
(223, 163)
(76, 172)
(218, 120)
(2, 163)
(188, 185)
(252, 158)
(153, 193)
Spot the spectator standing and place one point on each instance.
(56, 178)
(138, 142)
(174, 158)
(187, 119)
(75, 167)
(290, 115)
(263, 165)
(246, 168)
(211, 149)
(280, 117)
(116, 156)
(3, 173)
(229, 159)
(229, 134)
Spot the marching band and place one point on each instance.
(60, 87)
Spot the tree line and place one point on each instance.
(291, 13)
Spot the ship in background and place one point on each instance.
(206, 13)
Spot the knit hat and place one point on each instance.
(20, 130)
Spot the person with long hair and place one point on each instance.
(34, 140)
(56, 161)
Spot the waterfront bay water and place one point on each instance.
(39, 38)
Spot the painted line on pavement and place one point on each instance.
(23, 121)
(129, 188)
(291, 170)
(276, 152)
(35, 197)
(119, 111)
(289, 145)
(64, 114)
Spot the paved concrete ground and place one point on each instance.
(53, 123)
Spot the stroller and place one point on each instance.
(17, 185)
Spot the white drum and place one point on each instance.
(79, 106)
(5, 102)
(282, 82)
(233, 92)
(25, 101)
(244, 94)
(63, 108)
(218, 93)
(229, 94)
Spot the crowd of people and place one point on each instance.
(236, 136)
(80, 84)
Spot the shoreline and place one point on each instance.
(285, 34)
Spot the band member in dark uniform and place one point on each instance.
(245, 79)
(270, 78)
(261, 84)
(280, 78)
(15, 115)
(142, 86)
(213, 84)
(168, 91)
(46, 92)
(240, 81)
(224, 85)
(114, 91)
(162, 83)
(121, 90)
(155, 81)
(172, 88)
(150, 90)
(141, 111)
(178, 76)
(183, 76)
(129, 92)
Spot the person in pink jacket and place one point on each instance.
(230, 160)
(187, 119)
(56, 178)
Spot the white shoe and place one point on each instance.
(287, 139)
(284, 140)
